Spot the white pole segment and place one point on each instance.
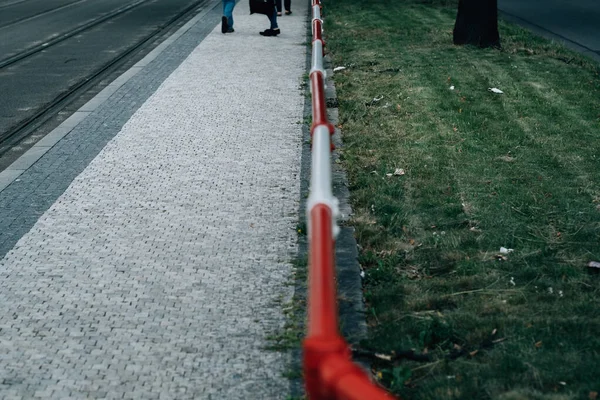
(316, 12)
(320, 179)
(317, 57)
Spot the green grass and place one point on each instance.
(289, 337)
(519, 170)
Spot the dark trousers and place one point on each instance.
(286, 3)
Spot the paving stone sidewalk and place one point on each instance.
(161, 269)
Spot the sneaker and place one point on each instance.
(270, 32)
(224, 24)
(230, 30)
(288, 12)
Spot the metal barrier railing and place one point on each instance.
(329, 372)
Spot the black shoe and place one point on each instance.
(224, 25)
(230, 30)
(270, 32)
(288, 12)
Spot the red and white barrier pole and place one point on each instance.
(328, 369)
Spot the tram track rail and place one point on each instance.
(69, 34)
(14, 3)
(39, 14)
(24, 128)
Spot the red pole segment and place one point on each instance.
(323, 339)
(319, 106)
(322, 306)
(328, 370)
(317, 28)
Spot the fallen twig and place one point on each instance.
(484, 290)
(411, 355)
(393, 356)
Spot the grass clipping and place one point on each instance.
(477, 212)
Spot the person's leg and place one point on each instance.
(278, 5)
(273, 20)
(224, 18)
(274, 30)
(288, 6)
(228, 6)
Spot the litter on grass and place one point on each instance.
(397, 172)
(504, 250)
(495, 90)
(336, 69)
(374, 101)
(593, 264)
(451, 87)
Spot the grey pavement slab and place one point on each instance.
(148, 251)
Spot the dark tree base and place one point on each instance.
(477, 23)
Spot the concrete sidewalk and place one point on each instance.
(147, 251)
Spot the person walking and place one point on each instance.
(227, 19)
(288, 7)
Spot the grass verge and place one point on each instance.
(475, 171)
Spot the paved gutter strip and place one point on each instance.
(148, 251)
(350, 294)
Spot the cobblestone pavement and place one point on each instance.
(160, 271)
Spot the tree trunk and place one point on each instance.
(477, 23)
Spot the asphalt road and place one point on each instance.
(574, 22)
(31, 84)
